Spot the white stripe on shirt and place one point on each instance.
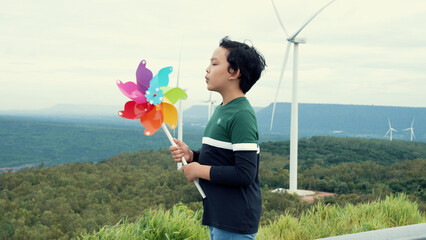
(244, 147)
(230, 146)
(217, 143)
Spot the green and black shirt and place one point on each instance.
(230, 146)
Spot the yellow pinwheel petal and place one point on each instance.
(166, 100)
(170, 115)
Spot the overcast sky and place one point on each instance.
(357, 52)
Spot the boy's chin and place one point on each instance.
(212, 90)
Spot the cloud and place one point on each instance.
(363, 52)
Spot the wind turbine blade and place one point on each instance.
(309, 20)
(279, 19)
(412, 122)
(389, 123)
(387, 133)
(279, 83)
(406, 129)
(412, 132)
(393, 129)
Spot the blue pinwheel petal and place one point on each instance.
(154, 82)
(163, 76)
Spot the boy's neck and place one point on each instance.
(229, 96)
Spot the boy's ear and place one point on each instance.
(235, 75)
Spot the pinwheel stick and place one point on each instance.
(197, 184)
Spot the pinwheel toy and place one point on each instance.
(152, 103)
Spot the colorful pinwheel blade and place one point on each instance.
(152, 121)
(163, 76)
(165, 89)
(143, 77)
(130, 89)
(142, 109)
(174, 94)
(170, 115)
(128, 111)
(133, 110)
(161, 79)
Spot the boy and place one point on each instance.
(228, 162)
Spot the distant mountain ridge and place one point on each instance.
(334, 120)
(346, 120)
(314, 119)
(68, 110)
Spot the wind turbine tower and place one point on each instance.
(411, 129)
(294, 104)
(390, 131)
(180, 111)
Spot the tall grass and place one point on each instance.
(332, 220)
(178, 223)
(320, 221)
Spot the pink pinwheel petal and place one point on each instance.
(130, 89)
(143, 76)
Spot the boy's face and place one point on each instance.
(217, 72)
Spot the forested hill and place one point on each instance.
(328, 151)
(367, 121)
(30, 141)
(76, 133)
(63, 201)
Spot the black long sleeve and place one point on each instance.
(242, 174)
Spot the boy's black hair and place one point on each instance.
(250, 62)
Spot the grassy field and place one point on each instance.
(321, 221)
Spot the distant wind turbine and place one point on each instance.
(210, 106)
(411, 129)
(390, 131)
(294, 105)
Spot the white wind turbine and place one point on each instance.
(210, 106)
(411, 129)
(294, 105)
(390, 131)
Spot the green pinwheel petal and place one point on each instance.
(165, 89)
(174, 94)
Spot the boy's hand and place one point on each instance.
(182, 150)
(190, 171)
(195, 170)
